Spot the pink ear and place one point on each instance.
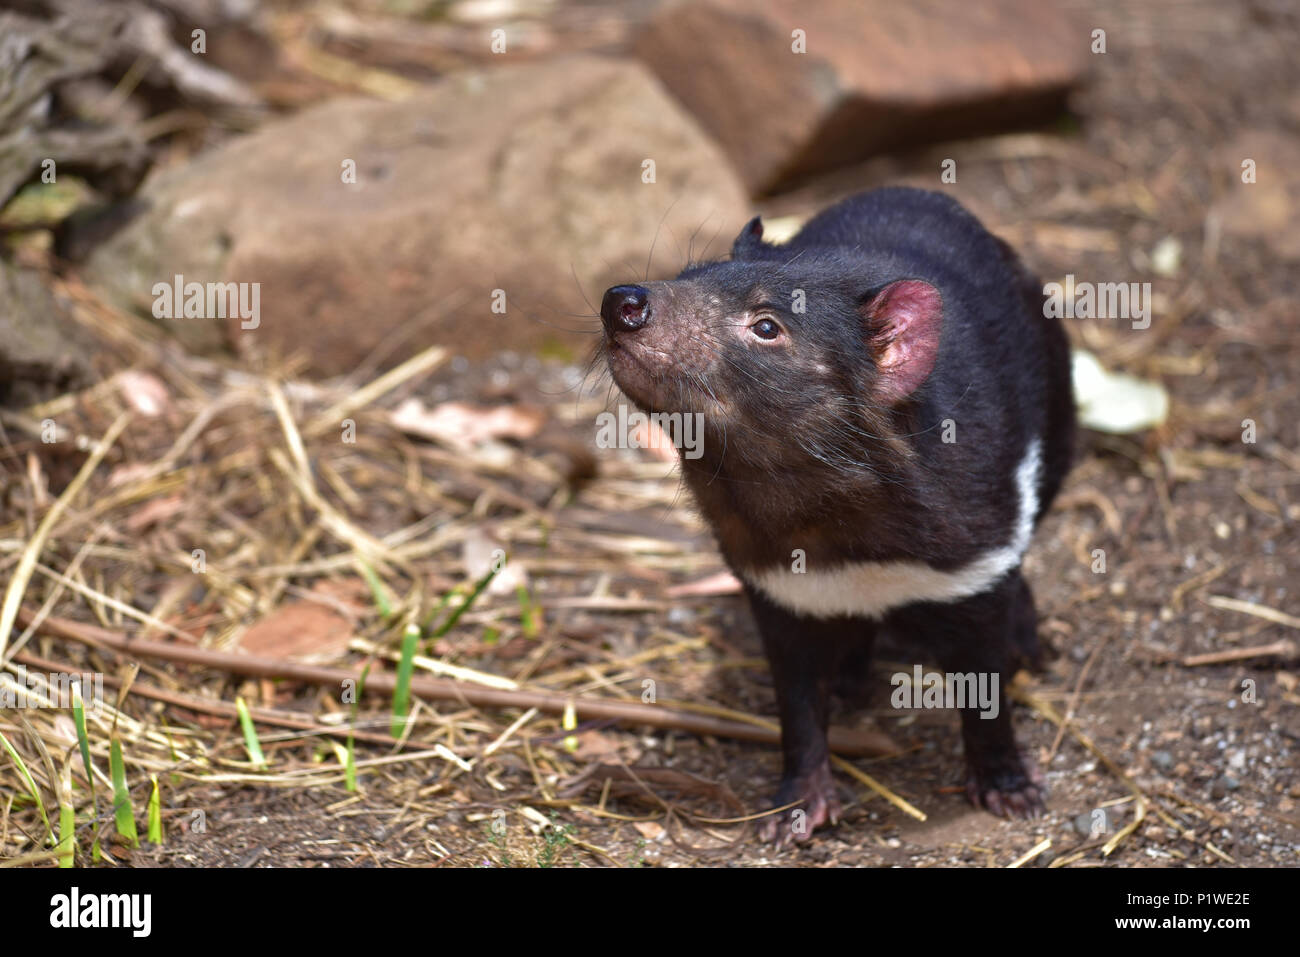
(904, 320)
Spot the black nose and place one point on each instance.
(625, 308)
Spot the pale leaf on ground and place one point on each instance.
(723, 583)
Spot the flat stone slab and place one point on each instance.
(876, 75)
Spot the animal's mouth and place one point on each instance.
(637, 377)
(657, 386)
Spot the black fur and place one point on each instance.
(800, 455)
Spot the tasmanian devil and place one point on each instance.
(887, 414)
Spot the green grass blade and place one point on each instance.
(438, 610)
(402, 690)
(527, 614)
(67, 820)
(468, 603)
(377, 590)
(123, 814)
(31, 785)
(251, 744)
(155, 813)
(350, 764)
(83, 743)
(350, 767)
(171, 746)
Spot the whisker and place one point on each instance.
(650, 257)
(573, 270)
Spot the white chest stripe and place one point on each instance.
(871, 589)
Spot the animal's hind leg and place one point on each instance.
(852, 682)
(1027, 652)
(981, 637)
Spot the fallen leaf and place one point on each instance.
(598, 744)
(300, 631)
(479, 551)
(461, 424)
(650, 830)
(1113, 402)
(353, 593)
(154, 511)
(64, 731)
(125, 474)
(723, 583)
(144, 392)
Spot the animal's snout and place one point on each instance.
(625, 309)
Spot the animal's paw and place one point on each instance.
(818, 805)
(1014, 789)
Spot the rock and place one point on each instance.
(876, 74)
(1167, 257)
(1162, 760)
(680, 617)
(526, 179)
(40, 355)
(1269, 208)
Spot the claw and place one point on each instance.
(1010, 792)
(818, 805)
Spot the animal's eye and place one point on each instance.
(765, 329)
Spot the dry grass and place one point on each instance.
(98, 565)
(211, 496)
(386, 533)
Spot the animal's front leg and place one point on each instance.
(804, 654)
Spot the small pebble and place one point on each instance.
(1166, 257)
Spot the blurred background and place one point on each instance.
(418, 202)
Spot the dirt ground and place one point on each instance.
(1195, 523)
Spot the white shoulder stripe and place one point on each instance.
(871, 589)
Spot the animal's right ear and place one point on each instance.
(903, 320)
(750, 239)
